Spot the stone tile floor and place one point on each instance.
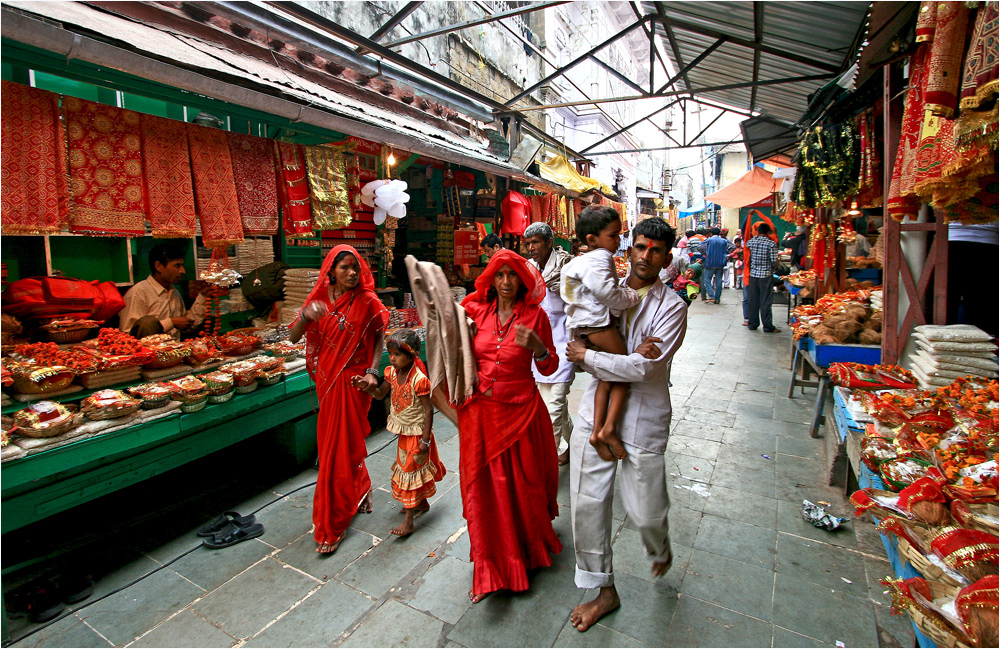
(748, 571)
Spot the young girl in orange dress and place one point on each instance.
(417, 466)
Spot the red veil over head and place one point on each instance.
(529, 275)
(749, 231)
(359, 317)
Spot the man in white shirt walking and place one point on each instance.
(653, 331)
(154, 306)
(549, 260)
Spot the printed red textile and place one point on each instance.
(34, 192)
(214, 187)
(256, 183)
(167, 169)
(334, 355)
(980, 81)
(902, 199)
(945, 62)
(294, 191)
(106, 191)
(510, 502)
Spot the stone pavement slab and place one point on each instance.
(747, 570)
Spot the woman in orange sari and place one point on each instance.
(344, 324)
(509, 469)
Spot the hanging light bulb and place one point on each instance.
(391, 160)
(854, 211)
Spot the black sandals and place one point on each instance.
(233, 534)
(223, 521)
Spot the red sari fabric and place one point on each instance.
(33, 188)
(214, 187)
(508, 466)
(294, 191)
(256, 183)
(902, 197)
(106, 191)
(945, 59)
(167, 170)
(333, 356)
(980, 80)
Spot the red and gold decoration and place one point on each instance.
(214, 187)
(256, 183)
(167, 170)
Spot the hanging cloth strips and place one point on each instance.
(980, 81)
(166, 166)
(34, 193)
(945, 63)
(106, 191)
(214, 187)
(327, 171)
(256, 183)
(294, 191)
(902, 199)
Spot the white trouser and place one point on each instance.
(644, 494)
(725, 276)
(554, 395)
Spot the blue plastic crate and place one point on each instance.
(865, 274)
(824, 355)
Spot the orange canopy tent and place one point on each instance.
(750, 188)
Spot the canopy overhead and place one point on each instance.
(750, 188)
(694, 209)
(560, 171)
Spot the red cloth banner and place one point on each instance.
(106, 191)
(167, 170)
(294, 190)
(214, 187)
(34, 193)
(256, 183)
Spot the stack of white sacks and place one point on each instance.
(875, 299)
(298, 283)
(945, 353)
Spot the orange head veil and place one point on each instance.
(528, 274)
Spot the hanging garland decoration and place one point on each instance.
(219, 277)
(828, 165)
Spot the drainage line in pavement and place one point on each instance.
(159, 568)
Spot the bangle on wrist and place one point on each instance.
(423, 443)
(374, 372)
(543, 356)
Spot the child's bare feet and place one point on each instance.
(406, 528)
(609, 436)
(602, 449)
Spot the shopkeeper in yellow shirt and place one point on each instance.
(154, 306)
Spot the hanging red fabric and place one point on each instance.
(748, 234)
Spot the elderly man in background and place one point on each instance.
(549, 260)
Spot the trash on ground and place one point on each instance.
(819, 517)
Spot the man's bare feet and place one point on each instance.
(660, 568)
(564, 458)
(608, 435)
(330, 547)
(406, 528)
(477, 597)
(366, 505)
(587, 614)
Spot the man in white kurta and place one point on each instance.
(653, 332)
(549, 260)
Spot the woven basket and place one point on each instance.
(922, 565)
(931, 626)
(221, 398)
(164, 363)
(69, 337)
(271, 380)
(246, 389)
(154, 403)
(50, 431)
(193, 407)
(974, 516)
(25, 385)
(112, 413)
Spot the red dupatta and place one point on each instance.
(529, 275)
(748, 233)
(330, 348)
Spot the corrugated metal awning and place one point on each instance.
(787, 39)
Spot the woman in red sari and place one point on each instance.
(509, 469)
(344, 323)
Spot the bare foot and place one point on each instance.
(602, 449)
(477, 597)
(564, 458)
(366, 505)
(608, 435)
(406, 528)
(660, 568)
(587, 614)
(330, 547)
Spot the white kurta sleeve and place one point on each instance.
(670, 326)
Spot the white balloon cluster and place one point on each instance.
(388, 197)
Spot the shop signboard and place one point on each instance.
(466, 247)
